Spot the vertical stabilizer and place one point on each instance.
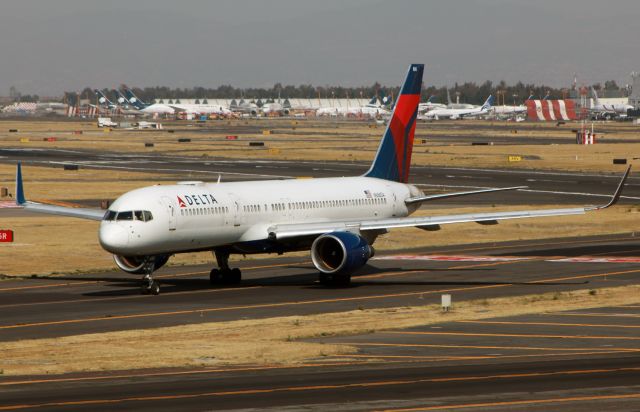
(488, 103)
(393, 157)
(133, 100)
(595, 97)
(20, 199)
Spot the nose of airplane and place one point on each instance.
(113, 237)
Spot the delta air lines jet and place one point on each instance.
(337, 219)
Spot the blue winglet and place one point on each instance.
(20, 200)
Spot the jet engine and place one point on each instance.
(340, 253)
(135, 264)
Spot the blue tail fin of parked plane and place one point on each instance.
(120, 97)
(20, 199)
(488, 103)
(133, 100)
(104, 100)
(393, 158)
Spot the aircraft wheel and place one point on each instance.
(215, 276)
(154, 288)
(235, 276)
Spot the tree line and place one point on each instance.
(468, 92)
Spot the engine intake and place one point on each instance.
(135, 264)
(340, 253)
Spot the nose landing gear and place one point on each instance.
(224, 275)
(149, 286)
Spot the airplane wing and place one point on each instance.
(421, 199)
(82, 213)
(285, 231)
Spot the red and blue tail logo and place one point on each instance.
(393, 158)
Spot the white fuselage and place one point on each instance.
(157, 108)
(510, 109)
(201, 216)
(455, 113)
(612, 108)
(204, 109)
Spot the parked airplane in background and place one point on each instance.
(457, 104)
(616, 109)
(372, 109)
(430, 105)
(337, 219)
(104, 101)
(145, 107)
(506, 110)
(279, 107)
(455, 114)
(124, 105)
(244, 107)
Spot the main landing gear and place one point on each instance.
(149, 286)
(224, 275)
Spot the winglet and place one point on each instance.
(20, 200)
(617, 194)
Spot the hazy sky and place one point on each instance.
(47, 46)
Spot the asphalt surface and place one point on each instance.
(560, 361)
(585, 360)
(543, 187)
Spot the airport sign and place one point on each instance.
(6, 236)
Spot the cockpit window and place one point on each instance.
(141, 215)
(125, 216)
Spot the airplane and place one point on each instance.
(104, 101)
(125, 107)
(336, 219)
(430, 105)
(371, 109)
(616, 109)
(244, 107)
(455, 114)
(279, 107)
(506, 110)
(457, 104)
(143, 107)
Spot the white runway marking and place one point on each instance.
(8, 204)
(449, 258)
(590, 259)
(463, 258)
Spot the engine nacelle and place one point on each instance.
(135, 264)
(340, 253)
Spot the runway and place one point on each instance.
(555, 361)
(543, 187)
